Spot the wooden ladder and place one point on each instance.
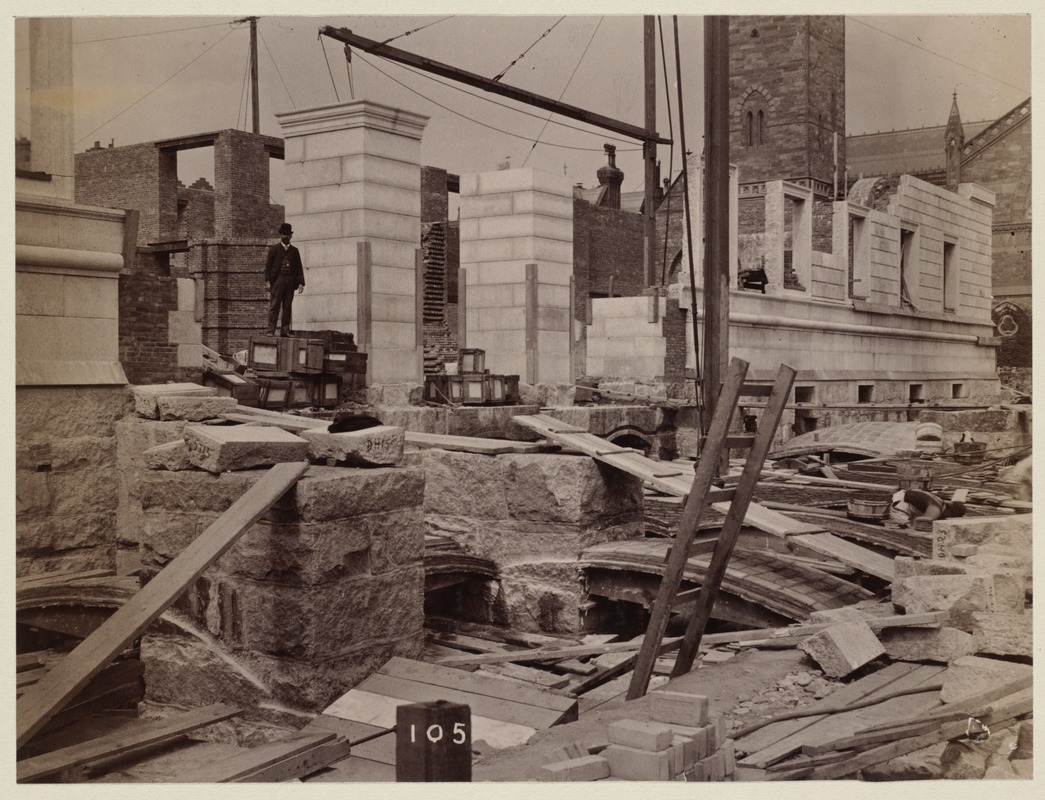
(718, 440)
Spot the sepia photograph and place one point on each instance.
(459, 393)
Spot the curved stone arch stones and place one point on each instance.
(756, 98)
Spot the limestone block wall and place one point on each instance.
(532, 515)
(517, 254)
(322, 590)
(622, 342)
(353, 175)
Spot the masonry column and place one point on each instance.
(511, 219)
(353, 174)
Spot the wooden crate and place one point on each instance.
(475, 390)
(230, 384)
(326, 391)
(437, 388)
(471, 361)
(308, 357)
(274, 393)
(496, 389)
(511, 390)
(456, 385)
(343, 362)
(263, 353)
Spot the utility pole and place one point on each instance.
(256, 119)
(649, 144)
(717, 269)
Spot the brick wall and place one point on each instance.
(434, 201)
(674, 329)
(139, 177)
(235, 298)
(823, 226)
(671, 233)
(195, 213)
(242, 208)
(614, 248)
(146, 353)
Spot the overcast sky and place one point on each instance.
(146, 78)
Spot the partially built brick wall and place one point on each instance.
(235, 297)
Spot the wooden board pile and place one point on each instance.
(681, 742)
(897, 710)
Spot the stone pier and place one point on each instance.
(517, 259)
(532, 515)
(353, 195)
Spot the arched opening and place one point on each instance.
(750, 129)
(760, 128)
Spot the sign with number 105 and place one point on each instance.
(435, 733)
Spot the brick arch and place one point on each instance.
(770, 102)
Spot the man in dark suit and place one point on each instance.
(283, 274)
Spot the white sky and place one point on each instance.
(129, 89)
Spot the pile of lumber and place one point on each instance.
(897, 710)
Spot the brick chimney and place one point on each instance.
(610, 177)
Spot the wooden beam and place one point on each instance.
(123, 741)
(46, 698)
(737, 511)
(649, 149)
(707, 471)
(250, 762)
(488, 85)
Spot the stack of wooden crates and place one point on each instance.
(297, 372)
(471, 384)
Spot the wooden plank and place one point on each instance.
(257, 758)
(123, 741)
(757, 743)
(850, 706)
(526, 675)
(770, 521)
(470, 444)
(299, 765)
(379, 710)
(674, 569)
(286, 422)
(381, 749)
(490, 707)
(546, 655)
(862, 558)
(485, 685)
(843, 724)
(66, 576)
(39, 658)
(43, 700)
(1002, 717)
(734, 520)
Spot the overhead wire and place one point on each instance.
(567, 86)
(330, 72)
(938, 55)
(276, 66)
(671, 152)
(242, 105)
(159, 85)
(419, 28)
(487, 99)
(521, 55)
(153, 33)
(477, 122)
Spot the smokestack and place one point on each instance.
(610, 177)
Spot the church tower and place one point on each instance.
(954, 138)
(787, 102)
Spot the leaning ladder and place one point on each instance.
(718, 439)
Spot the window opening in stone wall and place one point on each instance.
(916, 393)
(958, 391)
(750, 129)
(865, 393)
(804, 394)
(760, 127)
(950, 276)
(908, 268)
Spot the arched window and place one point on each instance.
(760, 129)
(750, 129)
(753, 116)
